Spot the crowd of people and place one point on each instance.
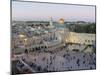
(59, 61)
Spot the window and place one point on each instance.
(88, 40)
(85, 40)
(92, 41)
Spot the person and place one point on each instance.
(26, 51)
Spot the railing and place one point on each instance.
(26, 65)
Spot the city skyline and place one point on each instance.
(43, 11)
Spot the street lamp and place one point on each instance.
(25, 41)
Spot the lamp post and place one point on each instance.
(25, 42)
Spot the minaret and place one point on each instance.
(51, 22)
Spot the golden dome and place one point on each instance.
(61, 20)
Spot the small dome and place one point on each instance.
(21, 35)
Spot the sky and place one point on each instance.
(34, 11)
